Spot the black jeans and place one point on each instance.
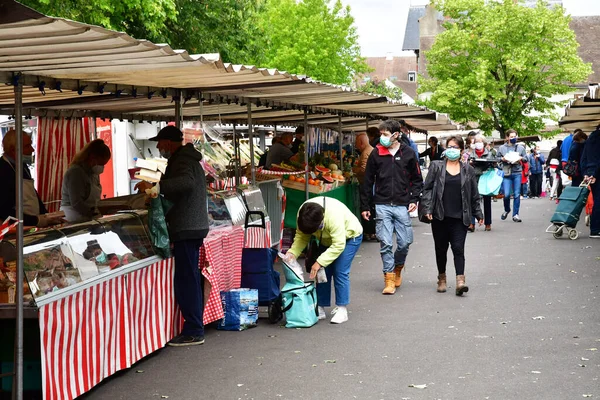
(188, 285)
(449, 232)
(535, 184)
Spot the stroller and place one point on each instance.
(571, 203)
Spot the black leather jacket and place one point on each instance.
(433, 192)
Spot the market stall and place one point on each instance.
(105, 299)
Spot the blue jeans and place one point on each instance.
(512, 182)
(188, 285)
(390, 220)
(340, 271)
(595, 217)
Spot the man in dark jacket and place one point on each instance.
(590, 166)
(184, 184)
(393, 183)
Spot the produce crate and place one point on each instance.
(311, 188)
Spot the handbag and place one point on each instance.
(314, 248)
(422, 216)
(490, 182)
(571, 168)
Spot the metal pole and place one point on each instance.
(251, 138)
(340, 142)
(236, 157)
(306, 168)
(18, 377)
(178, 110)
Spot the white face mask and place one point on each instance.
(479, 146)
(98, 169)
(473, 146)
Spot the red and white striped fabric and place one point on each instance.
(221, 263)
(255, 237)
(57, 143)
(153, 313)
(93, 334)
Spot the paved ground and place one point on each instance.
(528, 329)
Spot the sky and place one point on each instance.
(381, 23)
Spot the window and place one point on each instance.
(412, 76)
(393, 78)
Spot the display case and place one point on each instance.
(65, 259)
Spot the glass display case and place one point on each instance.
(68, 256)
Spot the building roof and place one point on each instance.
(389, 67)
(587, 30)
(408, 87)
(411, 33)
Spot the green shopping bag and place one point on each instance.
(159, 233)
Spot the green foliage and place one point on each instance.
(143, 19)
(309, 37)
(380, 88)
(227, 27)
(498, 63)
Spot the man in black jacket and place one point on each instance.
(184, 184)
(393, 183)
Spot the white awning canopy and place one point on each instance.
(71, 69)
(584, 112)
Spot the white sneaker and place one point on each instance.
(322, 314)
(340, 315)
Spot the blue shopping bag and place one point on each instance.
(299, 300)
(490, 182)
(240, 308)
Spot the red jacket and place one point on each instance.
(524, 172)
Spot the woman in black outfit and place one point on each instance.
(434, 152)
(450, 200)
(575, 154)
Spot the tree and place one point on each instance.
(382, 89)
(308, 37)
(498, 63)
(227, 27)
(142, 19)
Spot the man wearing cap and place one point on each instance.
(298, 140)
(34, 211)
(280, 151)
(184, 184)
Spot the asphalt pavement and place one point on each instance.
(529, 328)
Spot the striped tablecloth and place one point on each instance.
(221, 265)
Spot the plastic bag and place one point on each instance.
(159, 233)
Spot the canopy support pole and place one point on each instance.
(17, 388)
(178, 110)
(251, 138)
(236, 157)
(341, 142)
(306, 167)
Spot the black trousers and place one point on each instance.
(535, 184)
(188, 285)
(449, 232)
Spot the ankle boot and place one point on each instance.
(460, 285)
(398, 272)
(389, 279)
(441, 284)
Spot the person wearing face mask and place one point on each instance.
(482, 159)
(450, 200)
(184, 184)
(512, 173)
(34, 211)
(392, 184)
(81, 189)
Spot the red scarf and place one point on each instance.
(479, 152)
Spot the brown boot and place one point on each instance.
(398, 272)
(460, 285)
(389, 279)
(441, 283)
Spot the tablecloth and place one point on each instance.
(221, 264)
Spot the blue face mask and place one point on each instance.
(385, 141)
(513, 140)
(101, 258)
(452, 154)
(165, 154)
